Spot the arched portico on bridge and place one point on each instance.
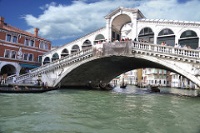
(64, 53)
(117, 24)
(166, 35)
(75, 49)
(55, 57)
(46, 60)
(146, 35)
(86, 44)
(189, 38)
(99, 38)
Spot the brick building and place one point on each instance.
(20, 51)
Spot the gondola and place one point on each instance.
(154, 88)
(105, 86)
(123, 84)
(25, 89)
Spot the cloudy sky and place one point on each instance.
(62, 21)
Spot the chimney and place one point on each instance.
(36, 32)
(1, 21)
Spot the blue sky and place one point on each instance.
(62, 21)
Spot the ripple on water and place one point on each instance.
(128, 110)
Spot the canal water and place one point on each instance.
(130, 110)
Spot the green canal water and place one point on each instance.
(131, 110)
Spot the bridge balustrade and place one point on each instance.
(166, 49)
(54, 64)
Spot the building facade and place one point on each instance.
(20, 51)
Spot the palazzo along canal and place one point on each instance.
(131, 110)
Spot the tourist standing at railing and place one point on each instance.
(98, 48)
(3, 79)
(177, 45)
(185, 46)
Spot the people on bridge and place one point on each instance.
(177, 45)
(98, 48)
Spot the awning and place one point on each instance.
(28, 65)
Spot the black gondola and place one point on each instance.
(154, 88)
(123, 84)
(25, 89)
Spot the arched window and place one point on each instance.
(8, 70)
(189, 38)
(167, 36)
(55, 57)
(86, 44)
(64, 53)
(146, 31)
(165, 32)
(46, 60)
(98, 38)
(188, 33)
(146, 35)
(75, 49)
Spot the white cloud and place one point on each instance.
(81, 17)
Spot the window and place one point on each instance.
(25, 56)
(146, 31)
(31, 43)
(165, 32)
(7, 53)
(40, 58)
(14, 39)
(41, 45)
(26, 42)
(46, 46)
(13, 54)
(30, 57)
(8, 37)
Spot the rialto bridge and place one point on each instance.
(101, 55)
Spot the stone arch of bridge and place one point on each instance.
(64, 52)
(86, 44)
(166, 35)
(99, 38)
(117, 23)
(75, 48)
(104, 69)
(46, 60)
(189, 38)
(146, 34)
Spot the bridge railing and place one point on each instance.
(53, 64)
(166, 49)
(117, 48)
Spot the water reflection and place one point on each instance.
(163, 90)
